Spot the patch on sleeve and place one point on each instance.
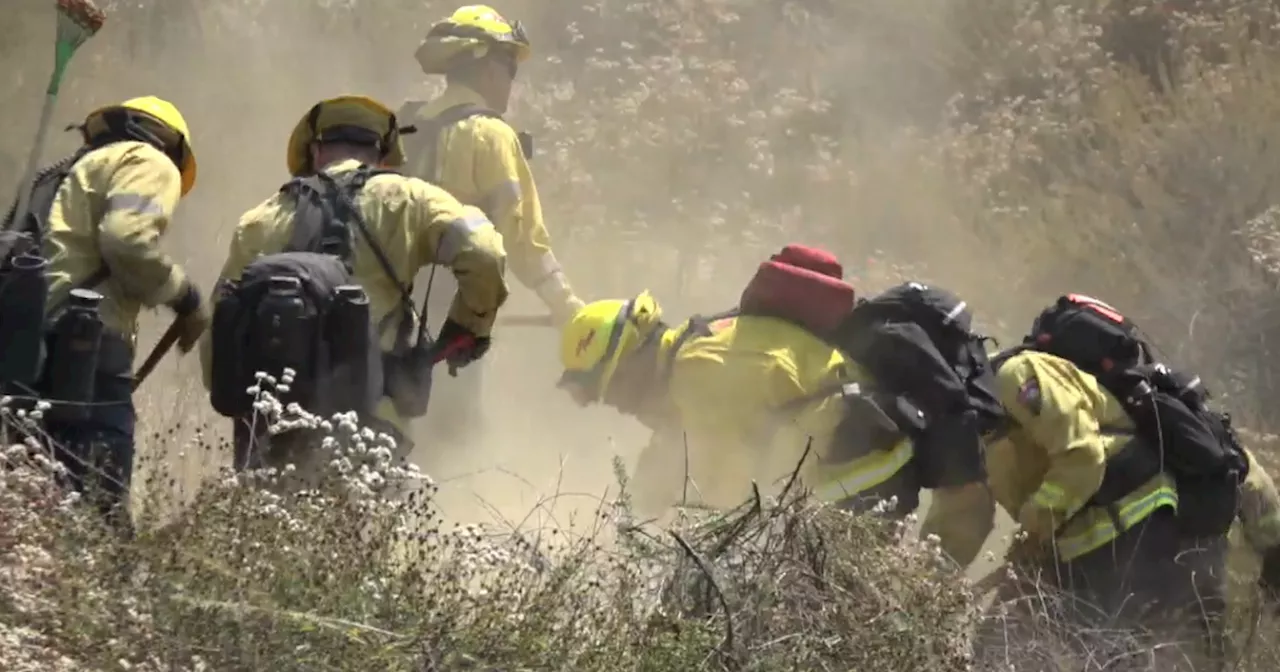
(1029, 395)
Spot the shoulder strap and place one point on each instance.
(345, 201)
(698, 326)
(998, 360)
(428, 136)
(44, 191)
(316, 226)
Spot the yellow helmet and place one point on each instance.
(166, 114)
(354, 117)
(471, 30)
(598, 336)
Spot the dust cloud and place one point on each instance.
(244, 71)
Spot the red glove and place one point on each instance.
(458, 347)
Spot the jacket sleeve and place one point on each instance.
(142, 194)
(1058, 416)
(962, 517)
(1260, 508)
(247, 243)
(462, 238)
(510, 197)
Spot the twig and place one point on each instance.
(726, 646)
(341, 625)
(684, 484)
(795, 473)
(736, 528)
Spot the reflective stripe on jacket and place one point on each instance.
(480, 162)
(1048, 466)
(415, 223)
(111, 212)
(1100, 528)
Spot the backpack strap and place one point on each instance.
(1002, 357)
(345, 200)
(324, 217)
(427, 139)
(316, 227)
(44, 191)
(698, 326)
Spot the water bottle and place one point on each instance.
(349, 337)
(73, 357)
(22, 306)
(282, 337)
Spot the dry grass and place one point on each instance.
(997, 148)
(344, 577)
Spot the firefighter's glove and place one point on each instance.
(194, 316)
(1269, 580)
(458, 346)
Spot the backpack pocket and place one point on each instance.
(231, 377)
(23, 301)
(871, 422)
(948, 453)
(408, 376)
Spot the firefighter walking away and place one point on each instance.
(78, 267)
(318, 281)
(465, 146)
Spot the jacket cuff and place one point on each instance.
(480, 326)
(170, 290)
(186, 302)
(554, 291)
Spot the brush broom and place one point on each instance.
(78, 20)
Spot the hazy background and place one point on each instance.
(992, 148)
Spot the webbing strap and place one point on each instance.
(44, 192)
(335, 197)
(696, 326)
(430, 130)
(353, 185)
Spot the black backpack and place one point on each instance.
(24, 287)
(301, 309)
(931, 376)
(1178, 433)
(423, 142)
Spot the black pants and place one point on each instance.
(97, 450)
(902, 489)
(1149, 583)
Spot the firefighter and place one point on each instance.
(1124, 565)
(732, 399)
(413, 223)
(102, 233)
(483, 161)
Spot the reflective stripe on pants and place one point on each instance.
(864, 473)
(1128, 513)
(1145, 590)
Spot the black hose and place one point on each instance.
(49, 171)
